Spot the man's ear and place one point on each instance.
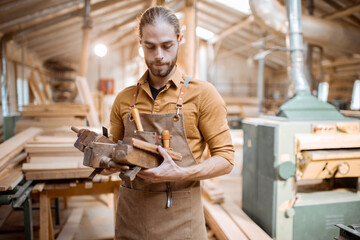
(180, 38)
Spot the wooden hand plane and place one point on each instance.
(99, 150)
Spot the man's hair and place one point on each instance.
(157, 14)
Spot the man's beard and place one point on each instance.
(161, 72)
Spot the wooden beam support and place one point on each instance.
(42, 12)
(248, 20)
(66, 16)
(343, 12)
(188, 51)
(337, 6)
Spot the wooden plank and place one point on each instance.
(49, 166)
(326, 141)
(39, 187)
(13, 146)
(57, 154)
(316, 155)
(50, 124)
(71, 225)
(220, 222)
(244, 222)
(53, 140)
(16, 161)
(343, 12)
(86, 97)
(5, 211)
(48, 175)
(44, 216)
(51, 159)
(326, 169)
(69, 113)
(45, 85)
(35, 89)
(49, 148)
(11, 180)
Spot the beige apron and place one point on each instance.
(141, 210)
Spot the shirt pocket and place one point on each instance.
(190, 118)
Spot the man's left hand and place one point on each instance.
(167, 171)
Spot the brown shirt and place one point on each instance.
(204, 113)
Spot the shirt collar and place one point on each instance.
(177, 78)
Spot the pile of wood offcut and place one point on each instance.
(53, 157)
(12, 156)
(52, 117)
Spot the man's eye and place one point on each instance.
(149, 46)
(167, 46)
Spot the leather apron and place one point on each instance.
(141, 210)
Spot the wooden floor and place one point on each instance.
(97, 221)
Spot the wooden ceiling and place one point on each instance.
(53, 28)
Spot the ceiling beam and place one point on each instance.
(343, 12)
(40, 13)
(337, 6)
(61, 18)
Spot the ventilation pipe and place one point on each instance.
(303, 106)
(271, 15)
(296, 47)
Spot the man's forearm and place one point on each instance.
(212, 167)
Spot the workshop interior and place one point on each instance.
(288, 72)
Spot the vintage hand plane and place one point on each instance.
(99, 150)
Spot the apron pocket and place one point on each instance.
(168, 223)
(147, 136)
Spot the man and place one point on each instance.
(165, 202)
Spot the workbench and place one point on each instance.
(20, 196)
(67, 188)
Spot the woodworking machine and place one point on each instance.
(301, 170)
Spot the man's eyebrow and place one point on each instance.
(166, 42)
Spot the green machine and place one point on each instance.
(301, 170)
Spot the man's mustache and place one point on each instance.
(162, 63)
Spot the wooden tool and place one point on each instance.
(136, 116)
(85, 138)
(130, 151)
(165, 137)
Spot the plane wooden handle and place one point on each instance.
(165, 136)
(75, 129)
(153, 148)
(136, 116)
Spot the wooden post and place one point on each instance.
(44, 216)
(85, 40)
(81, 82)
(187, 52)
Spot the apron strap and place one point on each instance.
(180, 100)
(134, 96)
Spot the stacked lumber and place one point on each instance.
(212, 192)
(53, 157)
(52, 117)
(228, 221)
(11, 157)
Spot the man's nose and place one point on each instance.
(159, 54)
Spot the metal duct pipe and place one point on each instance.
(296, 67)
(271, 15)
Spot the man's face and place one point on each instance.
(160, 45)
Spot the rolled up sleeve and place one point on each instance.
(213, 124)
(116, 121)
